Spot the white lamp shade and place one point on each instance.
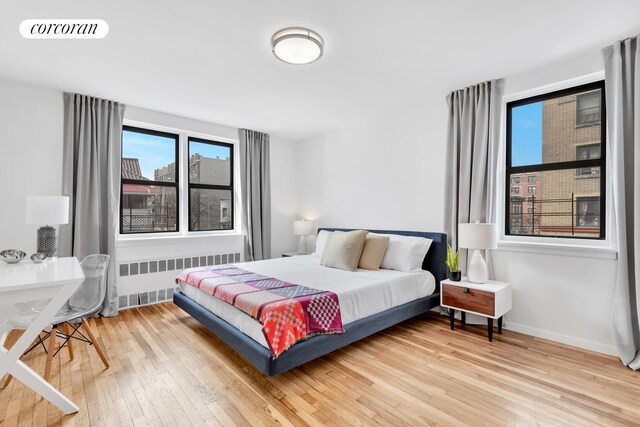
(47, 210)
(302, 228)
(477, 236)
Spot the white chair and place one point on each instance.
(66, 325)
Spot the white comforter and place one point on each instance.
(361, 293)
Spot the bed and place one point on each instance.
(393, 298)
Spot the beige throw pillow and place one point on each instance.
(343, 250)
(373, 252)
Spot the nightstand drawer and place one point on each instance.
(475, 300)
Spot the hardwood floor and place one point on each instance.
(166, 369)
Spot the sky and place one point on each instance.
(155, 152)
(526, 134)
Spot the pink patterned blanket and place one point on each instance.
(288, 312)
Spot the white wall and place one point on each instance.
(386, 173)
(30, 157)
(31, 127)
(389, 173)
(564, 297)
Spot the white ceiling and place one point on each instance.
(211, 59)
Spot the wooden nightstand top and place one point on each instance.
(490, 286)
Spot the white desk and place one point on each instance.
(25, 282)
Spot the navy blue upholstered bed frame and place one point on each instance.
(318, 346)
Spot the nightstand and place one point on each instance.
(288, 254)
(491, 300)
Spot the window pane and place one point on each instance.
(588, 108)
(210, 209)
(148, 157)
(563, 204)
(551, 131)
(209, 164)
(147, 208)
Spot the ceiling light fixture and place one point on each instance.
(296, 45)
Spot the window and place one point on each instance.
(174, 182)
(515, 180)
(149, 184)
(586, 152)
(210, 185)
(588, 212)
(558, 154)
(515, 190)
(588, 108)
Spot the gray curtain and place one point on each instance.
(472, 158)
(91, 178)
(622, 84)
(255, 185)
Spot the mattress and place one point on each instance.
(361, 293)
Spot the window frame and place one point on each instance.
(175, 184)
(564, 165)
(229, 187)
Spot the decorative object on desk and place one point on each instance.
(477, 236)
(453, 264)
(49, 210)
(302, 228)
(12, 256)
(38, 257)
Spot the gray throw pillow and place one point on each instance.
(343, 250)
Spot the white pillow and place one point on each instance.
(321, 243)
(405, 253)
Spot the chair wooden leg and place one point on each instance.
(96, 344)
(12, 337)
(51, 348)
(67, 330)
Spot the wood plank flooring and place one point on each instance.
(166, 369)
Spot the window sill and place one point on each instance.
(558, 249)
(138, 240)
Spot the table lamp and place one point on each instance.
(302, 228)
(477, 236)
(49, 210)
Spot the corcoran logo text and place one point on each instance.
(64, 29)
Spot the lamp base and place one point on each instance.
(477, 271)
(47, 241)
(302, 246)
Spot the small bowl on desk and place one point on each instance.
(12, 256)
(38, 257)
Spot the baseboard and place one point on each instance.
(140, 299)
(561, 338)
